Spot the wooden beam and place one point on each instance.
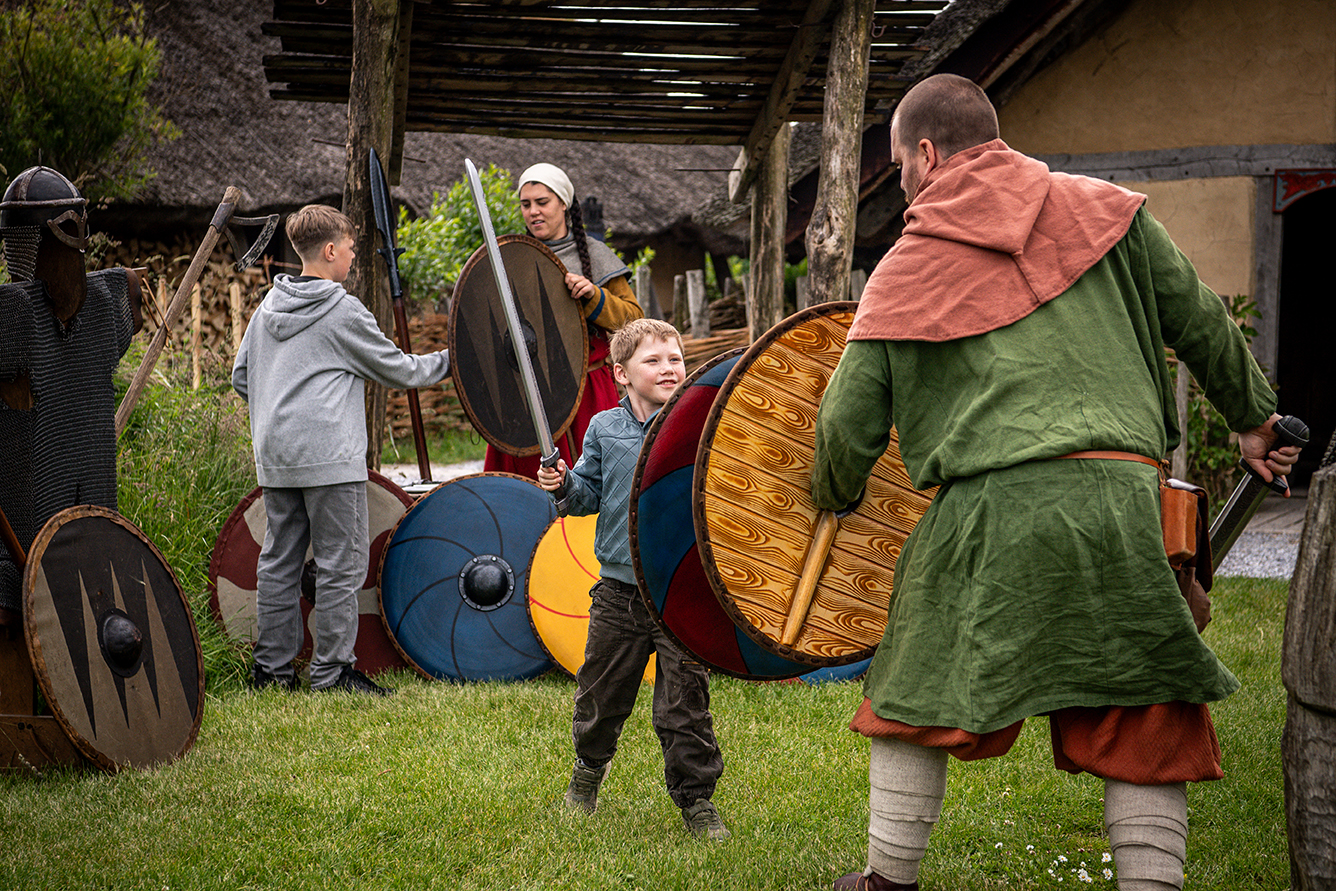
(370, 125)
(830, 235)
(787, 84)
(770, 202)
(398, 125)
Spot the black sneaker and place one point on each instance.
(260, 678)
(353, 681)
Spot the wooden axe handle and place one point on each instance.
(12, 543)
(220, 217)
(827, 524)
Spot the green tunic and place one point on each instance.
(1032, 585)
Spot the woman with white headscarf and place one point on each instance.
(597, 278)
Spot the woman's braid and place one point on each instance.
(581, 240)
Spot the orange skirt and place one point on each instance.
(1149, 745)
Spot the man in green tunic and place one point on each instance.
(1022, 318)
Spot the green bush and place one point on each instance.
(76, 79)
(437, 245)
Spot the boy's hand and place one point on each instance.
(550, 478)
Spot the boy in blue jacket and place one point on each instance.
(646, 357)
(308, 349)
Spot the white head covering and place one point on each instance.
(551, 176)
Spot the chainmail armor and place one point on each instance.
(62, 451)
(21, 251)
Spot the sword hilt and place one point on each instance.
(1247, 497)
(1290, 431)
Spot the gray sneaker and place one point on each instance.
(703, 821)
(582, 793)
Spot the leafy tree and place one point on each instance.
(437, 245)
(76, 75)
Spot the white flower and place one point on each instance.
(1106, 858)
(1084, 876)
(998, 846)
(1108, 874)
(1062, 858)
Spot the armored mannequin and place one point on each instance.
(62, 333)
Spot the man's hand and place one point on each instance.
(1255, 447)
(551, 478)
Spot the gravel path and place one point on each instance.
(1264, 555)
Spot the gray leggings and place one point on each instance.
(332, 522)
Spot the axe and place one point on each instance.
(222, 217)
(1248, 495)
(380, 205)
(532, 396)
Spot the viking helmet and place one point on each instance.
(42, 196)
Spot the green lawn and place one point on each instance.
(458, 786)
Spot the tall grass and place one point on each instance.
(184, 462)
(458, 786)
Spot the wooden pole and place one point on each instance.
(645, 293)
(1308, 670)
(769, 218)
(830, 234)
(370, 124)
(681, 314)
(238, 323)
(1178, 463)
(698, 306)
(196, 344)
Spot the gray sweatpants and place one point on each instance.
(622, 637)
(332, 521)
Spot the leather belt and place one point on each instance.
(1113, 456)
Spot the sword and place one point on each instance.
(380, 205)
(1248, 495)
(532, 396)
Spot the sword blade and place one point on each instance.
(1250, 492)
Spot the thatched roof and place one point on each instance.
(282, 154)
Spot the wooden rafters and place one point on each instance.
(662, 71)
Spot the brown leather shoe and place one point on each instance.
(856, 881)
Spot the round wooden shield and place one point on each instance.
(664, 552)
(455, 575)
(753, 512)
(236, 553)
(564, 569)
(483, 361)
(112, 640)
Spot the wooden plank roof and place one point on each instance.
(656, 71)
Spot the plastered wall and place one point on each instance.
(1187, 73)
(1211, 221)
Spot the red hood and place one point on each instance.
(991, 236)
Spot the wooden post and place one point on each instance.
(238, 323)
(769, 218)
(681, 315)
(697, 304)
(196, 345)
(830, 234)
(857, 282)
(1308, 670)
(649, 302)
(803, 285)
(1178, 462)
(371, 105)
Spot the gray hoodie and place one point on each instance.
(307, 350)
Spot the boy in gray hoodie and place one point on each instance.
(308, 349)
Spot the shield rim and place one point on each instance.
(699, 516)
(35, 552)
(461, 391)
